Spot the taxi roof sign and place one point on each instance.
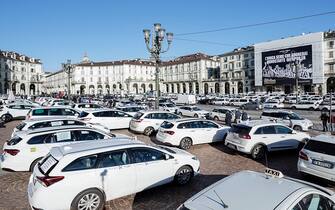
(273, 173)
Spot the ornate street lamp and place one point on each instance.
(156, 49)
(68, 69)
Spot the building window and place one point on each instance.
(32, 70)
(225, 66)
(331, 44)
(232, 57)
(83, 79)
(91, 79)
(331, 54)
(91, 71)
(331, 67)
(99, 71)
(246, 55)
(252, 63)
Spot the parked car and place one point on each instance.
(252, 105)
(86, 106)
(192, 111)
(282, 193)
(325, 106)
(24, 150)
(220, 113)
(63, 103)
(238, 101)
(131, 110)
(49, 112)
(186, 99)
(148, 122)
(110, 118)
(273, 105)
(308, 105)
(258, 137)
(54, 122)
(288, 118)
(170, 107)
(89, 174)
(220, 101)
(14, 111)
(317, 158)
(187, 132)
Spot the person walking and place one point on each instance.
(237, 116)
(228, 118)
(244, 116)
(325, 119)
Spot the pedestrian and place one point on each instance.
(244, 116)
(325, 119)
(228, 118)
(237, 116)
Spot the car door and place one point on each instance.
(15, 110)
(59, 138)
(122, 119)
(287, 137)
(268, 136)
(152, 168)
(117, 174)
(211, 132)
(312, 201)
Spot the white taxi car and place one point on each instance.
(148, 122)
(258, 137)
(86, 175)
(53, 122)
(317, 158)
(192, 111)
(270, 190)
(23, 151)
(187, 132)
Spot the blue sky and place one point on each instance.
(111, 30)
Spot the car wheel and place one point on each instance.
(216, 118)
(297, 128)
(32, 166)
(196, 116)
(183, 175)
(6, 117)
(185, 143)
(275, 107)
(258, 152)
(311, 108)
(88, 199)
(148, 131)
(224, 139)
(181, 114)
(293, 107)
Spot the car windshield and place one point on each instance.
(321, 147)
(83, 114)
(294, 116)
(240, 129)
(169, 105)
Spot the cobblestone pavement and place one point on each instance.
(217, 162)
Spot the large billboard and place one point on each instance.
(279, 67)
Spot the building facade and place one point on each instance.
(115, 77)
(303, 63)
(237, 71)
(20, 74)
(196, 73)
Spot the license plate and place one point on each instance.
(231, 146)
(322, 164)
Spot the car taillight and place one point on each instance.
(303, 156)
(169, 132)
(49, 180)
(12, 152)
(245, 136)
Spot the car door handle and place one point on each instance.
(264, 137)
(282, 136)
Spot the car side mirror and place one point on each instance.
(166, 157)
